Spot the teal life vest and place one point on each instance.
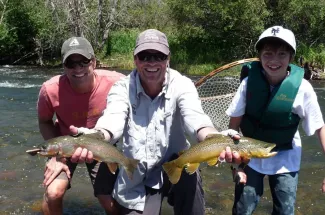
(268, 115)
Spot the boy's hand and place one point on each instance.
(238, 175)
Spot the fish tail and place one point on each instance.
(130, 166)
(173, 171)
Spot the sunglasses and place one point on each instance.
(70, 64)
(148, 56)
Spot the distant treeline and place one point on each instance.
(204, 34)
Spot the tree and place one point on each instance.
(225, 30)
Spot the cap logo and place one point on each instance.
(74, 42)
(275, 31)
(151, 36)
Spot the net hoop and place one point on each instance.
(216, 91)
(224, 67)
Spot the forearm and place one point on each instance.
(202, 133)
(321, 137)
(47, 129)
(234, 123)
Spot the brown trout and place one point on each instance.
(65, 146)
(209, 151)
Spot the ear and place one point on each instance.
(135, 60)
(168, 59)
(292, 58)
(94, 63)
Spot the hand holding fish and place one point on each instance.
(81, 154)
(228, 155)
(53, 168)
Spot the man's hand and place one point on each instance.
(52, 169)
(227, 155)
(231, 133)
(81, 154)
(323, 186)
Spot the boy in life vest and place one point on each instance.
(269, 104)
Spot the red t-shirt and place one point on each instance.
(79, 109)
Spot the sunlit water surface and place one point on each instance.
(21, 175)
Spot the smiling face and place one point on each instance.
(275, 60)
(80, 72)
(151, 66)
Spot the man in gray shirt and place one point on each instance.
(152, 109)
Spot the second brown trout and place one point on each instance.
(209, 151)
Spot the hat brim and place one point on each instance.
(257, 44)
(82, 52)
(154, 46)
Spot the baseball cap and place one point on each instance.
(278, 32)
(152, 39)
(77, 45)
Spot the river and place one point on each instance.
(21, 175)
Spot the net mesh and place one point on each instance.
(217, 89)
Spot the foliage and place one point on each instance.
(219, 30)
(144, 14)
(201, 34)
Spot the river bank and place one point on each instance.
(125, 62)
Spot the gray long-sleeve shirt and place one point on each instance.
(153, 129)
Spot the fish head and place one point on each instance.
(48, 150)
(262, 150)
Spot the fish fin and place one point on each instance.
(130, 166)
(173, 171)
(60, 156)
(192, 167)
(218, 162)
(213, 161)
(112, 167)
(181, 152)
(246, 159)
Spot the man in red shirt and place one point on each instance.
(76, 98)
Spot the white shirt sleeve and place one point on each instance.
(116, 112)
(238, 105)
(190, 107)
(308, 109)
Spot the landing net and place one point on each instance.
(217, 89)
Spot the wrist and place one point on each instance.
(107, 134)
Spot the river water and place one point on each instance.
(21, 175)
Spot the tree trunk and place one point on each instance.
(109, 22)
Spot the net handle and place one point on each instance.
(227, 66)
